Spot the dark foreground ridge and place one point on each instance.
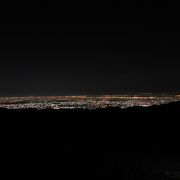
(134, 143)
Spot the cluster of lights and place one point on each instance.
(85, 102)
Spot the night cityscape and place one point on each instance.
(86, 102)
(90, 90)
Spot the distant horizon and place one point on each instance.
(98, 94)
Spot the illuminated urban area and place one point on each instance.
(85, 102)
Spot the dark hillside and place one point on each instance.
(134, 143)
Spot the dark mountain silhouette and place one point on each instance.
(133, 143)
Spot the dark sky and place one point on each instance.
(90, 48)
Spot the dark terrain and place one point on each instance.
(134, 143)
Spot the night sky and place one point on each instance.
(88, 48)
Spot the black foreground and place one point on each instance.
(135, 143)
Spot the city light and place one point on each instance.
(85, 102)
